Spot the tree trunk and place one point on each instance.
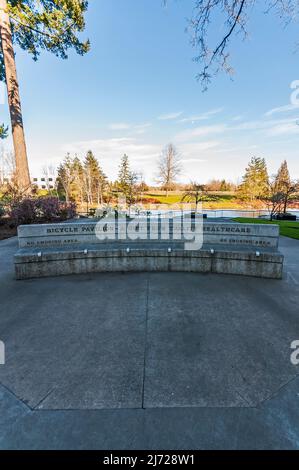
(22, 170)
(285, 205)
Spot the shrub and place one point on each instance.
(48, 208)
(41, 210)
(2, 211)
(24, 212)
(68, 210)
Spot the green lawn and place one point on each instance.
(287, 228)
(218, 200)
(163, 199)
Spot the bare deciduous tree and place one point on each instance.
(278, 197)
(169, 167)
(197, 193)
(232, 16)
(7, 166)
(49, 173)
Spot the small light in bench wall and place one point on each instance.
(85, 252)
(39, 254)
(212, 251)
(257, 253)
(169, 250)
(128, 250)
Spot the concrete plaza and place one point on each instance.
(150, 360)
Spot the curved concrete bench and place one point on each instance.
(62, 249)
(76, 261)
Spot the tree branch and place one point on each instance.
(50, 36)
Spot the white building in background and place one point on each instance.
(45, 182)
(48, 178)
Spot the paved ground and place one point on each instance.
(153, 360)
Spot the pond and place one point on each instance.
(223, 213)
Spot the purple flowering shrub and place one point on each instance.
(23, 212)
(41, 210)
(48, 208)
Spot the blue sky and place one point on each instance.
(136, 91)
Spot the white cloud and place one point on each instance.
(203, 116)
(109, 151)
(251, 125)
(170, 116)
(236, 149)
(119, 126)
(237, 118)
(200, 132)
(194, 148)
(135, 128)
(143, 156)
(193, 160)
(271, 127)
(141, 128)
(196, 152)
(106, 148)
(284, 128)
(282, 109)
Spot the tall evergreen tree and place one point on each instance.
(127, 181)
(284, 185)
(96, 180)
(101, 185)
(91, 173)
(283, 175)
(52, 25)
(256, 180)
(65, 177)
(283, 180)
(78, 184)
(124, 175)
